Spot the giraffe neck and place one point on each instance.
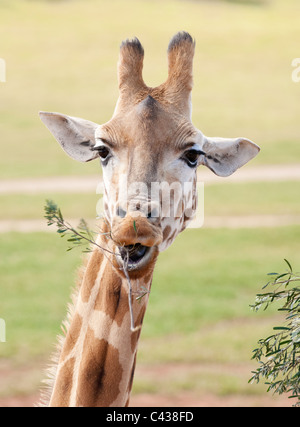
(97, 359)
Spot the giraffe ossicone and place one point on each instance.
(149, 152)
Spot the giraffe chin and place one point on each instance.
(137, 259)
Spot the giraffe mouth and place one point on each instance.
(135, 256)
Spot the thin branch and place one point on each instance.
(125, 269)
(54, 216)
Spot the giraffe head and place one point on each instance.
(149, 152)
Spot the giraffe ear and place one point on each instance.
(76, 136)
(224, 156)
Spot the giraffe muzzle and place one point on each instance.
(137, 240)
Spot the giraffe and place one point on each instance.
(149, 140)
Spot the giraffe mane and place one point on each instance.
(51, 369)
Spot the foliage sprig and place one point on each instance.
(83, 235)
(279, 353)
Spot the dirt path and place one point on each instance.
(13, 377)
(88, 184)
(232, 222)
(186, 399)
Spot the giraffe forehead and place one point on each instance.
(151, 126)
(148, 109)
(150, 123)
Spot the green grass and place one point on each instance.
(27, 206)
(36, 279)
(62, 56)
(198, 314)
(261, 198)
(215, 281)
(216, 278)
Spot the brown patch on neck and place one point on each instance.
(130, 384)
(72, 337)
(91, 274)
(112, 298)
(166, 232)
(63, 386)
(135, 336)
(100, 373)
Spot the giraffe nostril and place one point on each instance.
(152, 213)
(120, 212)
(146, 210)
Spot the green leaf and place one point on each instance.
(281, 275)
(290, 267)
(60, 214)
(280, 352)
(60, 231)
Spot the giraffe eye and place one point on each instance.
(191, 157)
(104, 153)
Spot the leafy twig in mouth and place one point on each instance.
(54, 216)
(78, 238)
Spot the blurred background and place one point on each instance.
(199, 331)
